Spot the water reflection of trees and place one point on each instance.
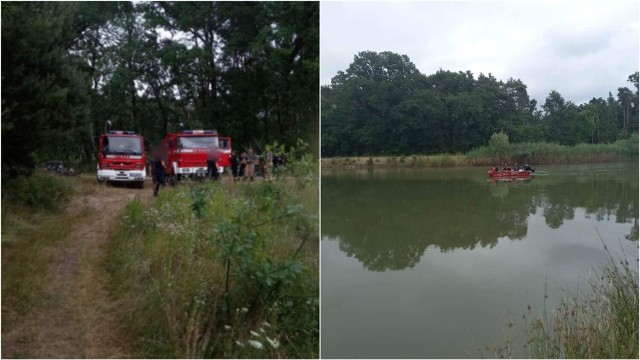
(388, 225)
(608, 199)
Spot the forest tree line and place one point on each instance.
(382, 105)
(246, 69)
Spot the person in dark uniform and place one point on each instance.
(212, 166)
(159, 163)
(243, 164)
(235, 165)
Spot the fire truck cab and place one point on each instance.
(121, 158)
(188, 150)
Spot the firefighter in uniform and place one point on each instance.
(252, 161)
(159, 164)
(212, 167)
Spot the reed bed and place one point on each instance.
(549, 153)
(523, 153)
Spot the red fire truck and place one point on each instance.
(188, 152)
(121, 158)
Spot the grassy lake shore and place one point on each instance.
(598, 321)
(531, 153)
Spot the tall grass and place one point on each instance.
(209, 271)
(601, 322)
(32, 227)
(549, 153)
(411, 161)
(510, 153)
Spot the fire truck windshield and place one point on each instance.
(121, 145)
(197, 142)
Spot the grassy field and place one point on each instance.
(221, 270)
(522, 153)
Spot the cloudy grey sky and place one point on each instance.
(580, 49)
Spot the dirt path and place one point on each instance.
(78, 318)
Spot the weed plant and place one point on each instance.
(209, 271)
(601, 322)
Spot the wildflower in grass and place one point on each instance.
(254, 333)
(244, 310)
(264, 323)
(227, 327)
(239, 343)
(274, 343)
(262, 330)
(256, 344)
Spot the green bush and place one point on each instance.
(38, 192)
(499, 140)
(370, 161)
(208, 271)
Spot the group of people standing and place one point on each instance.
(243, 166)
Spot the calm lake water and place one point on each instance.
(430, 263)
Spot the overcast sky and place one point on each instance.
(580, 49)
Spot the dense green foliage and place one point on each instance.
(247, 69)
(209, 271)
(382, 105)
(38, 192)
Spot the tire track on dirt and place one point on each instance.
(78, 317)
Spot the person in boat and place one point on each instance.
(516, 168)
(505, 168)
(527, 168)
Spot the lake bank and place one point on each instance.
(531, 153)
